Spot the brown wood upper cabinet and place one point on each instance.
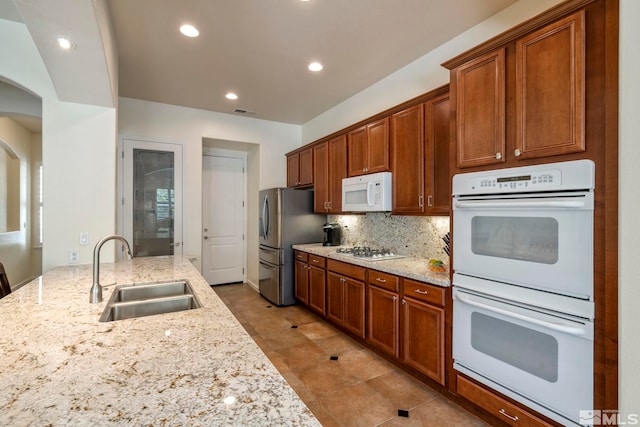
(368, 148)
(407, 152)
(420, 158)
(329, 168)
(300, 168)
(545, 72)
(550, 76)
(480, 111)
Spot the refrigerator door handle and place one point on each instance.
(265, 216)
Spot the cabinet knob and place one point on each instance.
(403, 301)
(517, 152)
(498, 156)
(395, 298)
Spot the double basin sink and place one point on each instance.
(129, 301)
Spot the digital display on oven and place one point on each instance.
(515, 178)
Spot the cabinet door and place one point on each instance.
(317, 288)
(358, 151)
(302, 282)
(383, 319)
(437, 180)
(321, 178)
(423, 338)
(550, 81)
(335, 297)
(407, 148)
(337, 172)
(378, 146)
(354, 306)
(480, 111)
(306, 167)
(293, 170)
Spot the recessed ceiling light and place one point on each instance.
(64, 43)
(189, 30)
(231, 95)
(315, 66)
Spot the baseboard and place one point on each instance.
(253, 286)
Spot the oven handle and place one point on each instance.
(576, 203)
(561, 327)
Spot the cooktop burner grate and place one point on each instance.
(368, 254)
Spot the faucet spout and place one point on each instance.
(96, 288)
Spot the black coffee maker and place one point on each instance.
(331, 234)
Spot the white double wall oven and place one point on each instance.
(523, 306)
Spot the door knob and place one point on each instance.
(206, 237)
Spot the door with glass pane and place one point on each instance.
(152, 197)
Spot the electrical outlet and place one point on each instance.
(84, 238)
(74, 257)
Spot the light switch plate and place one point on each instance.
(84, 238)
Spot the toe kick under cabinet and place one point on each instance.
(401, 317)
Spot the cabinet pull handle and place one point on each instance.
(517, 152)
(511, 417)
(403, 301)
(420, 291)
(420, 201)
(395, 298)
(498, 156)
(430, 201)
(380, 280)
(315, 260)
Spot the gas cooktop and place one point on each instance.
(366, 253)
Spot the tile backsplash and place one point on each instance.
(419, 236)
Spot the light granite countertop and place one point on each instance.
(60, 366)
(410, 267)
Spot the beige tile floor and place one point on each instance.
(358, 389)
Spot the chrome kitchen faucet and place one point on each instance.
(96, 289)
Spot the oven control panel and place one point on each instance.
(541, 180)
(561, 176)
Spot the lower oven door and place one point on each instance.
(541, 359)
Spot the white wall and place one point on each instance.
(629, 206)
(188, 126)
(420, 76)
(78, 154)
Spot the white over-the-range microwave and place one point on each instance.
(367, 193)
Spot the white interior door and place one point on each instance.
(152, 197)
(223, 217)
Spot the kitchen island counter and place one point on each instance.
(62, 367)
(410, 267)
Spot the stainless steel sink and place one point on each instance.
(129, 301)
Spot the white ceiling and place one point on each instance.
(259, 49)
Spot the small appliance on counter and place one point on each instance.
(332, 234)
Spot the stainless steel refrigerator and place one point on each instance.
(286, 218)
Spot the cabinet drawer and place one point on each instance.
(506, 411)
(423, 292)
(301, 256)
(383, 280)
(317, 261)
(346, 269)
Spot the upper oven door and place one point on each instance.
(541, 242)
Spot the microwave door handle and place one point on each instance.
(561, 327)
(543, 203)
(369, 191)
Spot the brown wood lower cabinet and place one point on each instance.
(500, 408)
(383, 318)
(317, 284)
(302, 282)
(346, 296)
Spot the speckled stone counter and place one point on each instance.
(411, 267)
(60, 366)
